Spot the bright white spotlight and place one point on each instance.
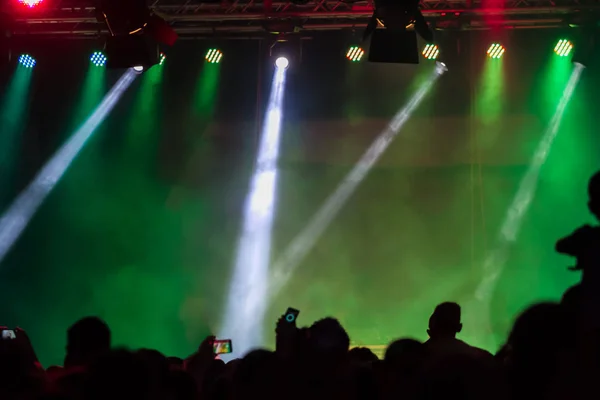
(441, 67)
(247, 298)
(306, 239)
(282, 63)
(139, 69)
(20, 212)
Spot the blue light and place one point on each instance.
(27, 61)
(98, 59)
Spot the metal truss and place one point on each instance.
(248, 18)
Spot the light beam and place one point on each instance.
(510, 228)
(307, 238)
(247, 298)
(16, 218)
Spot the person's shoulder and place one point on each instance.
(475, 351)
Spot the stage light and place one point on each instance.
(282, 63)
(162, 58)
(27, 61)
(31, 3)
(563, 48)
(138, 69)
(431, 51)
(98, 59)
(495, 51)
(213, 56)
(355, 53)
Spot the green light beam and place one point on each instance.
(94, 88)
(495, 261)
(203, 108)
(491, 91)
(92, 91)
(145, 117)
(205, 98)
(12, 120)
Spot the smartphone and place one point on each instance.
(291, 315)
(8, 334)
(222, 346)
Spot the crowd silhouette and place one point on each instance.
(552, 352)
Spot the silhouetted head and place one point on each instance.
(445, 321)
(87, 339)
(538, 333)
(404, 355)
(328, 337)
(402, 348)
(594, 195)
(362, 355)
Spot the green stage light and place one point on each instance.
(496, 51)
(98, 59)
(563, 48)
(213, 56)
(163, 58)
(355, 53)
(431, 51)
(27, 61)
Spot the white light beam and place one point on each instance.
(17, 216)
(306, 239)
(247, 298)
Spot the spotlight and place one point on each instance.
(31, 3)
(286, 48)
(496, 51)
(355, 53)
(213, 56)
(27, 61)
(139, 69)
(162, 58)
(440, 67)
(282, 63)
(431, 51)
(563, 48)
(98, 59)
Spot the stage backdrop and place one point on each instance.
(142, 230)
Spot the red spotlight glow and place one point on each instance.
(30, 3)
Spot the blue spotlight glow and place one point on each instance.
(16, 218)
(247, 298)
(308, 237)
(27, 61)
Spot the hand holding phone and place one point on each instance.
(222, 346)
(291, 315)
(8, 334)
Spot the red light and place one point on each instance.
(30, 3)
